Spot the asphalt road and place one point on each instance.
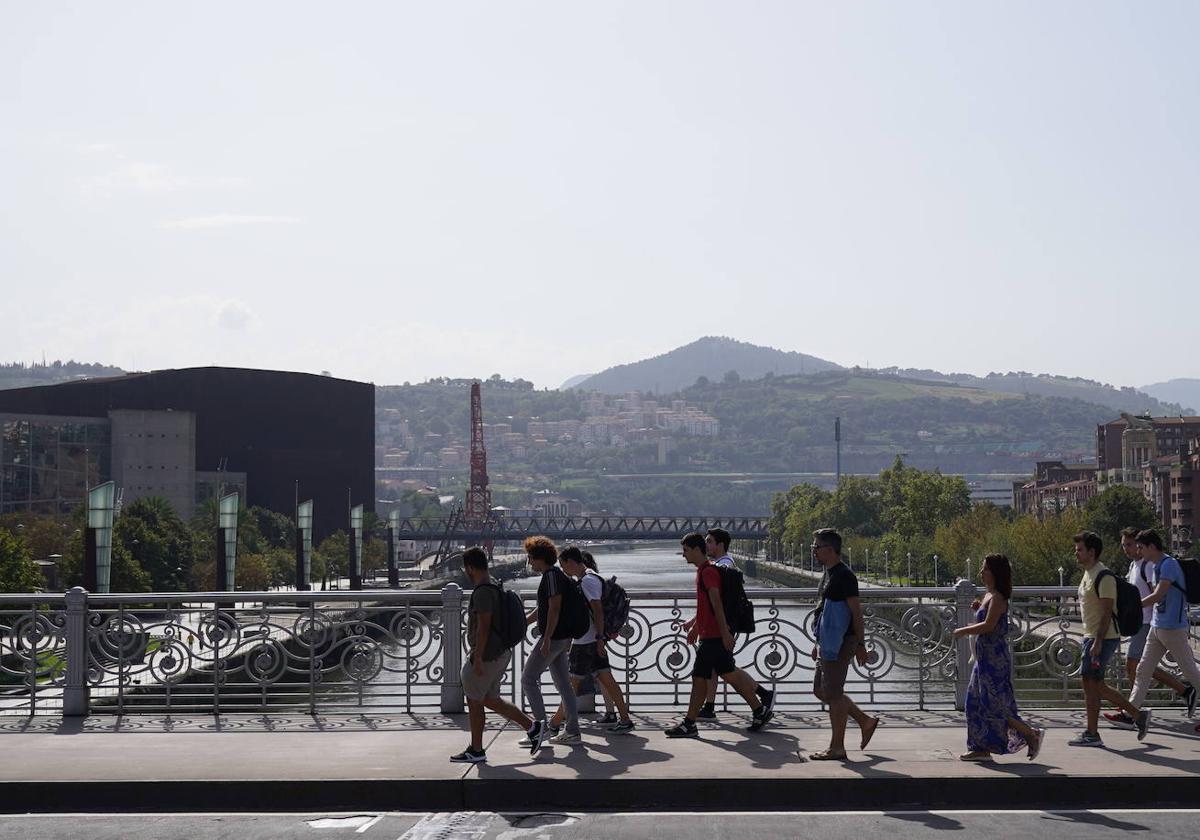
(914, 825)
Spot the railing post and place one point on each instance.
(76, 693)
(964, 595)
(452, 690)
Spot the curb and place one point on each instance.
(870, 794)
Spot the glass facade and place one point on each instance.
(48, 463)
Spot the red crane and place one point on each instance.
(478, 509)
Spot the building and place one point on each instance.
(1055, 487)
(189, 434)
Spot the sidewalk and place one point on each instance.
(299, 763)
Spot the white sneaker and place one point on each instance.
(567, 739)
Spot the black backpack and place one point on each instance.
(614, 600)
(739, 612)
(575, 617)
(509, 621)
(1191, 579)
(1127, 609)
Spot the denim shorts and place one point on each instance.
(1107, 649)
(1137, 643)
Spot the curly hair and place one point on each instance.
(541, 548)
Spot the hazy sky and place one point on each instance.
(392, 191)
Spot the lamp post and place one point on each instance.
(1061, 573)
(910, 568)
(97, 539)
(935, 570)
(868, 552)
(304, 519)
(356, 541)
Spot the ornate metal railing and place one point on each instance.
(389, 651)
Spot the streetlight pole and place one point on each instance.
(1061, 573)
(935, 570)
(910, 568)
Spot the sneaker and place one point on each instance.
(470, 756)
(551, 731)
(1189, 697)
(622, 727)
(1143, 723)
(768, 699)
(536, 736)
(1036, 747)
(1120, 720)
(707, 712)
(684, 729)
(609, 717)
(761, 715)
(567, 739)
(1086, 739)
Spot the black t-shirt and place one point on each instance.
(838, 584)
(554, 582)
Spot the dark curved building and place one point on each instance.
(182, 433)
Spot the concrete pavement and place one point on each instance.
(275, 763)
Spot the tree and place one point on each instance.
(333, 556)
(1116, 508)
(17, 570)
(158, 541)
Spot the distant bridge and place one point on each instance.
(579, 528)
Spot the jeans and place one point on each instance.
(531, 681)
(1157, 643)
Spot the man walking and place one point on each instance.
(553, 646)
(1139, 574)
(714, 655)
(1097, 601)
(841, 637)
(1168, 626)
(589, 653)
(487, 659)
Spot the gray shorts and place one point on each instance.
(1137, 643)
(480, 687)
(829, 678)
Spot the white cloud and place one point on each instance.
(226, 220)
(234, 315)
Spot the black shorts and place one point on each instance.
(585, 661)
(711, 657)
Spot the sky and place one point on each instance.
(399, 190)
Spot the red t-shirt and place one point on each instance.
(707, 577)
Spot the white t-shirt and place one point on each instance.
(593, 587)
(1145, 585)
(726, 560)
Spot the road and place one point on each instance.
(915, 825)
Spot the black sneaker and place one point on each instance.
(470, 756)
(537, 736)
(684, 729)
(767, 696)
(707, 712)
(1189, 697)
(761, 715)
(609, 717)
(622, 727)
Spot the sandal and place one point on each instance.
(827, 755)
(868, 732)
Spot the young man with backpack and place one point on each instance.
(1169, 626)
(1097, 594)
(1139, 574)
(714, 655)
(488, 634)
(589, 654)
(561, 615)
(716, 546)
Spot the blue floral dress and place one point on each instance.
(990, 698)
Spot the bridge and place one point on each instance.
(579, 528)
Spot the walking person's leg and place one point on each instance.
(560, 674)
(1179, 645)
(1151, 656)
(531, 682)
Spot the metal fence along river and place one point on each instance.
(402, 651)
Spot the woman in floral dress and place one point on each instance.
(993, 724)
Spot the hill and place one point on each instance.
(1186, 392)
(1048, 385)
(711, 357)
(22, 375)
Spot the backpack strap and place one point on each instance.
(1096, 587)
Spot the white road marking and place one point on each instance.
(367, 827)
(360, 822)
(461, 825)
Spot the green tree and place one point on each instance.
(158, 541)
(1116, 508)
(17, 570)
(333, 556)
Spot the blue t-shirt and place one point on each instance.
(1171, 612)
